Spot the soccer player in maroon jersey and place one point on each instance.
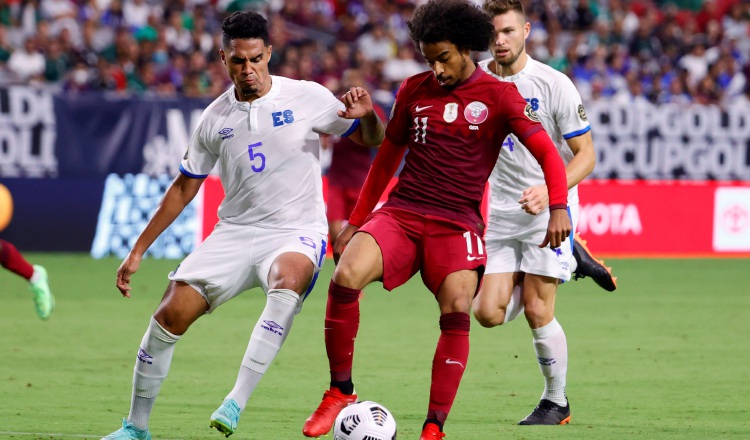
(36, 275)
(453, 121)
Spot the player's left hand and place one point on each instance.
(128, 267)
(534, 199)
(358, 103)
(558, 229)
(344, 237)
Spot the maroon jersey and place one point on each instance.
(454, 137)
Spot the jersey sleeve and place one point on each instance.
(522, 120)
(202, 152)
(323, 108)
(570, 114)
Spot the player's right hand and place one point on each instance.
(534, 199)
(558, 229)
(344, 237)
(128, 267)
(358, 103)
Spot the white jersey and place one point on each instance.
(555, 99)
(268, 167)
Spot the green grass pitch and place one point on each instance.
(664, 357)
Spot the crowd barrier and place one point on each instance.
(86, 172)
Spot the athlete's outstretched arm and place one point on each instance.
(182, 190)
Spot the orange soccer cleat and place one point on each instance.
(321, 421)
(589, 266)
(431, 431)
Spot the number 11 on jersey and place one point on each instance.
(469, 248)
(420, 128)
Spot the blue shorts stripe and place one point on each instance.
(572, 231)
(323, 248)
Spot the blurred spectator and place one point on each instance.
(5, 47)
(696, 61)
(27, 63)
(376, 44)
(667, 45)
(29, 17)
(177, 36)
(113, 16)
(676, 93)
(135, 13)
(403, 66)
(57, 63)
(77, 79)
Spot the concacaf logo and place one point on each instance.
(530, 113)
(582, 113)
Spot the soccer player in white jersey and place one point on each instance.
(272, 226)
(519, 274)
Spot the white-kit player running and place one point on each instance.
(272, 225)
(521, 275)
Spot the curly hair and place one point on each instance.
(244, 25)
(457, 21)
(500, 7)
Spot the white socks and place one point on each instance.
(552, 353)
(269, 334)
(151, 367)
(515, 305)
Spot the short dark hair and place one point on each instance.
(500, 7)
(457, 21)
(244, 25)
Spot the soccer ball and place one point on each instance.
(364, 421)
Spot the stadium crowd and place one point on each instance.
(678, 51)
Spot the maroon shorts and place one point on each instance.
(412, 242)
(341, 201)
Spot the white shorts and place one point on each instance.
(236, 258)
(512, 245)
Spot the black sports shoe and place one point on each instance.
(588, 266)
(548, 413)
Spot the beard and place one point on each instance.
(508, 61)
(464, 65)
(245, 91)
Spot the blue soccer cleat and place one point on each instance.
(129, 432)
(44, 301)
(226, 417)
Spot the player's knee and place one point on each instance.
(537, 311)
(489, 318)
(171, 321)
(347, 275)
(455, 304)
